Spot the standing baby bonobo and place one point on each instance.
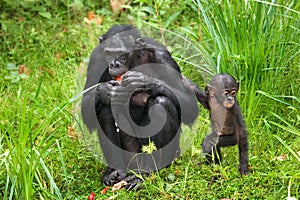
(228, 126)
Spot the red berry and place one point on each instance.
(91, 196)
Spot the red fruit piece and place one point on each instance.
(104, 190)
(91, 196)
(119, 78)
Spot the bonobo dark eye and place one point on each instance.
(226, 93)
(233, 92)
(122, 58)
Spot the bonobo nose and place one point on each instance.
(229, 98)
(115, 64)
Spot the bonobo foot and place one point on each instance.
(133, 182)
(244, 169)
(113, 176)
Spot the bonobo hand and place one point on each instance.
(134, 80)
(103, 92)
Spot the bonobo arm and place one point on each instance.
(200, 94)
(96, 72)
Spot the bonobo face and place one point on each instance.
(121, 63)
(122, 57)
(119, 66)
(224, 88)
(229, 97)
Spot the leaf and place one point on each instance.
(281, 158)
(116, 5)
(71, 132)
(93, 19)
(45, 14)
(177, 172)
(11, 66)
(291, 198)
(171, 177)
(172, 18)
(148, 9)
(4, 27)
(24, 70)
(23, 76)
(112, 197)
(118, 186)
(91, 15)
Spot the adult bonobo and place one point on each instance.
(228, 126)
(141, 99)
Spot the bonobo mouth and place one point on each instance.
(228, 105)
(118, 76)
(117, 72)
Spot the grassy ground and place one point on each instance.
(44, 49)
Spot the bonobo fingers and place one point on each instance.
(133, 182)
(114, 83)
(113, 177)
(134, 79)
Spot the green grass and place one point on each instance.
(256, 41)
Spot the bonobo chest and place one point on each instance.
(222, 121)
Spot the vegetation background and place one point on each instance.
(45, 46)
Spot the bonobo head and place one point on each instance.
(224, 88)
(121, 63)
(124, 48)
(115, 29)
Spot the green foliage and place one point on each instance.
(256, 41)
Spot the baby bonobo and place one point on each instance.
(228, 126)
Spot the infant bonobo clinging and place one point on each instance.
(228, 126)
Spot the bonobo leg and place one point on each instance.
(108, 133)
(168, 134)
(243, 154)
(171, 128)
(110, 176)
(212, 143)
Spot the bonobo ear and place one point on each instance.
(140, 42)
(237, 86)
(209, 90)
